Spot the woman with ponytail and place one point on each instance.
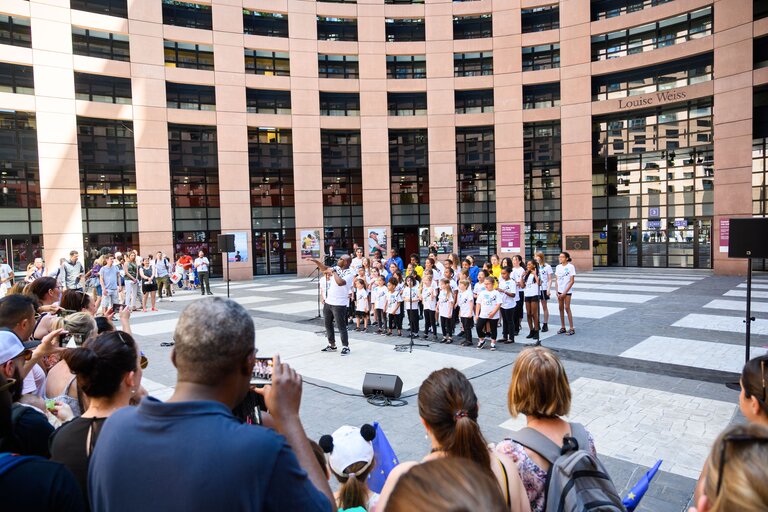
(448, 408)
(108, 370)
(349, 453)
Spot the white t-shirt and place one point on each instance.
(478, 288)
(517, 275)
(564, 274)
(488, 301)
(437, 275)
(411, 298)
(429, 296)
(361, 299)
(338, 295)
(531, 286)
(5, 273)
(466, 300)
(201, 264)
(379, 296)
(545, 271)
(445, 304)
(393, 299)
(356, 264)
(453, 285)
(507, 285)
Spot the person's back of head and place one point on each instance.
(539, 386)
(74, 300)
(17, 288)
(350, 458)
(213, 338)
(101, 364)
(449, 407)
(81, 323)
(447, 485)
(753, 400)
(736, 471)
(40, 287)
(14, 309)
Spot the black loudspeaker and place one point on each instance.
(748, 238)
(226, 243)
(382, 384)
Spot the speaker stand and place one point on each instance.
(402, 347)
(736, 386)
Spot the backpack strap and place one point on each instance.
(579, 433)
(538, 442)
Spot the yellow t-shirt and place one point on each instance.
(419, 271)
(496, 271)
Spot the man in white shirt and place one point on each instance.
(6, 278)
(338, 285)
(73, 272)
(201, 265)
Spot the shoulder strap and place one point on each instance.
(506, 483)
(580, 434)
(539, 443)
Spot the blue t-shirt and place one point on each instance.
(195, 456)
(109, 274)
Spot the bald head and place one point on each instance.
(344, 261)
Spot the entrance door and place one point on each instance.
(18, 253)
(270, 254)
(702, 256)
(408, 240)
(624, 248)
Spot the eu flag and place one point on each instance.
(638, 491)
(385, 460)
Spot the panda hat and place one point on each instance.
(347, 446)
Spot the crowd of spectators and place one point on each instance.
(78, 431)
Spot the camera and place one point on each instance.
(71, 340)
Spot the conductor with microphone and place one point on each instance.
(338, 283)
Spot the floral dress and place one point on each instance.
(534, 477)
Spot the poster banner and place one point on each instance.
(310, 244)
(377, 241)
(510, 238)
(443, 240)
(725, 234)
(241, 247)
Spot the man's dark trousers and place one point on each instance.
(339, 314)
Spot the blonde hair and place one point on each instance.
(78, 323)
(742, 483)
(540, 254)
(539, 386)
(465, 282)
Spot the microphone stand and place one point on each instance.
(409, 346)
(316, 273)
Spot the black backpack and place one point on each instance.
(576, 480)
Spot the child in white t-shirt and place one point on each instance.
(378, 301)
(508, 290)
(532, 292)
(429, 301)
(445, 303)
(487, 313)
(565, 274)
(466, 302)
(411, 304)
(393, 307)
(362, 305)
(545, 276)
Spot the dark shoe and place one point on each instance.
(562, 331)
(493, 345)
(329, 348)
(544, 328)
(426, 336)
(517, 332)
(450, 340)
(466, 344)
(530, 335)
(571, 332)
(345, 351)
(509, 341)
(444, 340)
(460, 335)
(481, 344)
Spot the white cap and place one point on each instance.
(10, 346)
(349, 447)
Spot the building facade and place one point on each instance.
(624, 131)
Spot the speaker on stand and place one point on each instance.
(227, 245)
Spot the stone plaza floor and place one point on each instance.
(647, 365)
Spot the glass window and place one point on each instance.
(102, 88)
(15, 30)
(337, 66)
(190, 97)
(409, 177)
(342, 188)
(19, 175)
(264, 62)
(476, 191)
(398, 29)
(187, 14)
(406, 66)
(16, 78)
(104, 45)
(541, 57)
(472, 27)
(602, 9)
(760, 51)
(260, 101)
(667, 32)
(111, 7)
(538, 19)
(273, 24)
(541, 95)
(473, 64)
(188, 55)
(474, 101)
(407, 103)
(541, 180)
(403, 2)
(339, 103)
(336, 29)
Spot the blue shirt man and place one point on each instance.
(394, 258)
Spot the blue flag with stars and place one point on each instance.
(385, 460)
(638, 491)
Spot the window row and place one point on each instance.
(603, 9)
(15, 78)
(15, 31)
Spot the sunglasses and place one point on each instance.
(8, 384)
(736, 439)
(143, 360)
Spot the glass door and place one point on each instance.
(273, 253)
(702, 255)
(18, 252)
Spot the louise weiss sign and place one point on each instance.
(653, 99)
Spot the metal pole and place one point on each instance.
(227, 256)
(749, 307)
